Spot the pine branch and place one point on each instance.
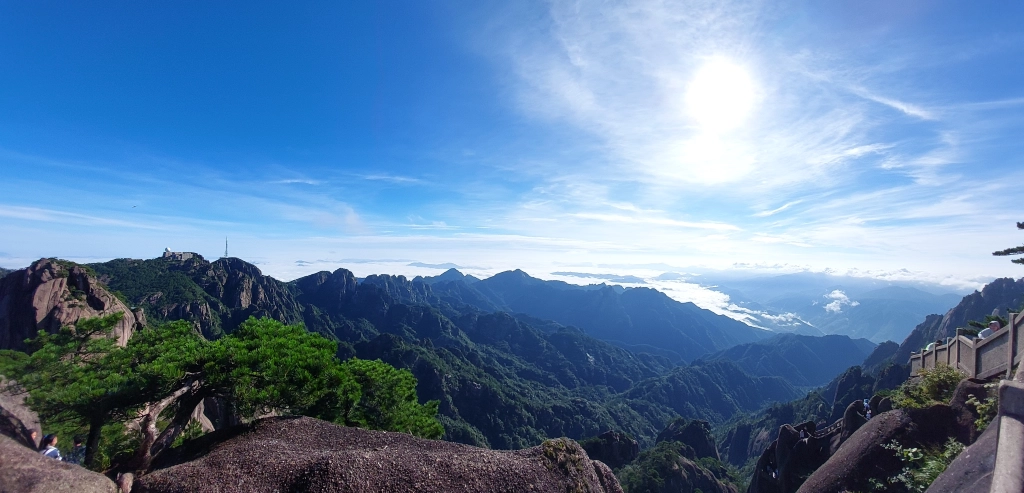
(1020, 225)
(1010, 251)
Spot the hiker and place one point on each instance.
(35, 439)
(49, 447)
(869, 414)
(803, 434)
(77, 454)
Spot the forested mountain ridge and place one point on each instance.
(801, 360)
(643, 319)
(503, 381)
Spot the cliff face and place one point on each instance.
(214, 296)
(49, 294)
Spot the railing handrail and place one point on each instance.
(958, 346)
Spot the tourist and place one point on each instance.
(35, 438)
(49, 447)
(77, 454)
(868, 414)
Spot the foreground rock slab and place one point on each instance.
(306, 454)
(25, 470)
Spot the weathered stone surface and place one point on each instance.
(971, 471)
(25, 470)
(738, 441)
(306, 454)
(862, 457)
(48, 295)
(695, 433)
(614, 448)
(16, 419)
(966, 413)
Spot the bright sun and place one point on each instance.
(720, 96)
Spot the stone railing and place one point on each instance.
(978, 358)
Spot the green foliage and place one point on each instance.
(1013, 251)
(654, 467)
(67, 265)
(920, 467)
(986, 408)
(78, 379)
(933, 386)
(388, 400)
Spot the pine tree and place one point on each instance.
(80, 377)
(1013, 251)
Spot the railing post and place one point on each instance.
(1012, 339)
(1008, 475)
(956, 341)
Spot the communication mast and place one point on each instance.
(225, 247)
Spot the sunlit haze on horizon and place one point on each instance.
(873, 139)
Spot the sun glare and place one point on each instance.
(720, 96)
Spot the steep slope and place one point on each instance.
(639, 318)
(712, 391)
(800, 360)
(49, 294)
(1000, 295)
(214, 296)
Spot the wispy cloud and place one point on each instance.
(397, 179)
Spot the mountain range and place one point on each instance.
(504, 380)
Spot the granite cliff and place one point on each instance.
(49, 294)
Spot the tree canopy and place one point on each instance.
(77, 376)
(1013, 251)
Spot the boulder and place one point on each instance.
(885, 405)
(695, 433)
(966, 413)
(25, 470)
(971, 471)
(614, 448)
(50, 294)
(862, 457)
(306, 454)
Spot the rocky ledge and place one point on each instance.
(306, 454)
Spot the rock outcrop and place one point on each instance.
(695, 433)
(614, 448)
(17, 421)
(863, 456)
(24, 470)
(306, 454)
(50, 294)
(971, 471)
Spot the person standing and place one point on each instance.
(77, 454)
(48, 447)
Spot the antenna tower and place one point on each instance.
(225, 247)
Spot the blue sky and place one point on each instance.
(875, 138)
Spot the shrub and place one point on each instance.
(921, 467)
(934, 386)
(986, 408)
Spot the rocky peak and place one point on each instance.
(52, 293)
(614, 448)
(695, 433)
